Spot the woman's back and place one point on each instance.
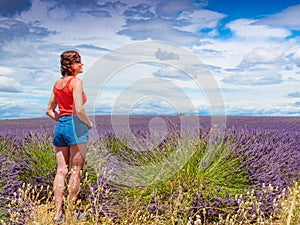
(64, 96)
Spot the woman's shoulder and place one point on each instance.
(62, 82)
(75, 82)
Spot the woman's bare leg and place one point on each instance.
(77, 159)
(62, 161)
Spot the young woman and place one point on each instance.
(71, 131)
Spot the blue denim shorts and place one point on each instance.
(70, 130)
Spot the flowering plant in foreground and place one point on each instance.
(246, 181)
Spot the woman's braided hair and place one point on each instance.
(66, 60)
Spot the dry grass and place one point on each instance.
(42, 213)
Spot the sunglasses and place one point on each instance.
(78, 60)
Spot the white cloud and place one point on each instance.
(244, 62)
(254, 78)
(246, 28)
(288, 18)
(163, 55)
(6, 70)
(79, 25)
(171, 9)
(158, 29)
(229, 54)
(9, 84)
(289, 109)
(170, 72)
(200, 19)
(275, 53)
(262, 55)
(20, 108)
(153, 106)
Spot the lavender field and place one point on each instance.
(241, 173)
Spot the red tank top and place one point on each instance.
(64, 99)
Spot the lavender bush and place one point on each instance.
(9, 183)
(258, 155)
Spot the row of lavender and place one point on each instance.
(103, 123)
(268, 149)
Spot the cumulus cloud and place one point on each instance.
(166, 21)
(15, 108)
(268, 55)
(6, 70)
(247, 28)
(153, 106)
(173, 8)
(199, 20)
(12, 30)
(140, 11)
(9, 84)
(164, 55)
(262, 55)
(290, 109)
(170, 72)
(157, 29)
(288, 18)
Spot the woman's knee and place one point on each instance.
(62, 171)
(76, 170)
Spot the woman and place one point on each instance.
(71, 131)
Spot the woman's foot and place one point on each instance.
(57, 219)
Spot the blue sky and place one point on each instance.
(251, 48)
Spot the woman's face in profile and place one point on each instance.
(77, 67)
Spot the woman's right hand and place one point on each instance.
(90, 126)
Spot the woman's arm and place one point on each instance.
(76, 85)
(50, 110)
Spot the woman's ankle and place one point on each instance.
(58, 213)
